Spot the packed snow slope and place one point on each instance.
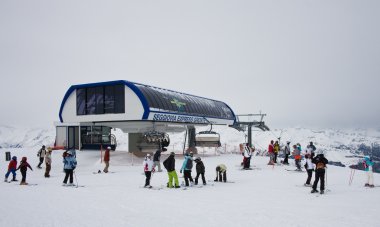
(264, 196)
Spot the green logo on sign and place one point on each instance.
(178, 104)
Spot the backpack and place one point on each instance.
(189, 164)
(320, 165)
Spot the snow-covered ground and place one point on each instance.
(264, 196)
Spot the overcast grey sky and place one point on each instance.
(305, 63)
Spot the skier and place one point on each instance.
(368, 165)
(48, 162)
(312, 149)
(276, 149)
(286, 153)
(186, 168)
(106, 159)
(200, 168)
(320, 164)
(221, 169)
(271, 153)
(247, 156)
(23, 167)
(169, 165)
(70, 164)
(11, 169)
(41, 154)
(297, 157)
(309, 166)
(156, 158)
(148, 169)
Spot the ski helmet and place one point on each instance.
(14, 158)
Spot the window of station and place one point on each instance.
(101, 100)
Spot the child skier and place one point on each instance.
(186, 168)
(247, 156)
(200, 167)
(48, 162)
(367, 162)
(286, 153)
(11, 169)
(148, 169)
(70, 163)
(221, 169)
(23, 167)
(276, 149)
(320, 164)
(309, 166)
(271, 153)
(169, 165)
(41, 154)
(297, 157)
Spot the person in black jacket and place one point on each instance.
(200, 167)
(320, 164)
(169, 165)
(156, 158)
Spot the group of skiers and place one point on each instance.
(186, 168)
(44, 154)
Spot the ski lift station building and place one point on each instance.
(88, 112)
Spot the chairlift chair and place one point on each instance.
(207, 139)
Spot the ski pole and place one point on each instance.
(351, 176)
(76, 179)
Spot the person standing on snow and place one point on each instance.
(286, 153)
(312, 149)
(157, 157)
(247, 156)
(48, 162)
(276, 149)
(200, 167)
(271, 153)
(41, 154)
(169, 165)
(309, 166)
(70, 163)
(23, 167)
(186, 168)
(148, 169)
(368, 164)
(320, 165)
(297, 157)
(11, 169)
(106, 159)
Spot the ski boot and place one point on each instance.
(14, 179)
(6, 180)
(366, 185)
(314, 191)
(371, 186)
(322, 192)
(177, 186)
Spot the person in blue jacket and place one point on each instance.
(368, 164)
(70, 163)
(186, 168)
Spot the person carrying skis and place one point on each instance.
(276, 149)
(247, 156)
(200, 168)
(169, 165)
(271, 153)
(70, 163)
(286, 153)
(297, 157)
(221, 172)
(11, 169)
(23, 167)
(320, 165)
(148, 169)
(41, 154)
(186, 168)
(309, 166)
(48, 162)
(106, 159)
(157, 157)
(368, 165)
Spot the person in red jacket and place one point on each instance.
(271, 153)
(11, 169)
(106, 159)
